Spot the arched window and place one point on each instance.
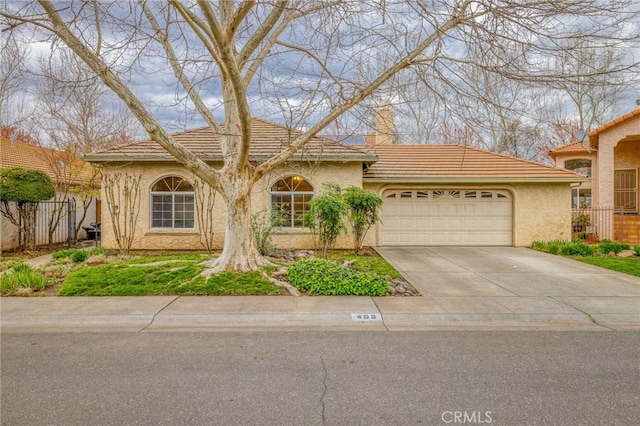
(582, 166)
(291, 196)
(172, 203)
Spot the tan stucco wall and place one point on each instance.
(541, 212)
(147, 238)
(614, 154)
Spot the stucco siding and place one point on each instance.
(149, 238)
(542, 212)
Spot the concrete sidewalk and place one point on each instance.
(208, 313)
(501, 288)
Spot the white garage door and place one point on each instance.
(447, 217)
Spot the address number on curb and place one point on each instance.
(366, 317)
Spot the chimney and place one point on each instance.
(385, 131)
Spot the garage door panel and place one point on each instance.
(447, 218)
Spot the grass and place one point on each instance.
(594, 254)
(370, 261)
(162, 275)
(22, 280)
(627, 266)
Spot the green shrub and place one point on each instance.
(324, 217)
(96, 251)
(636, 250)
(25, 185)
(607, 246)
(539, 245)
(263, 224)
(577, 249)
(61, 254)
(555, 246)
(363, 211)
(22, 277)
(21, 267)
(79, 256)
(322, 277)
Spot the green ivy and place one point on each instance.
(323, 277)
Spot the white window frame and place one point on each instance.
(292, 194)
(173, 205)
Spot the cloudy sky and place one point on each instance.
(292, 87)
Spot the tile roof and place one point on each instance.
(573, 148)
(421, 163)
(50, 161)
(615, 122)
(268, 139)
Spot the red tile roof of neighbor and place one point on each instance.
(584, 148)
(50, 161)
(395, 162)
(615, 122)
(572, 148)
(268, 139)
(456, 162)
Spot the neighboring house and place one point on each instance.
(611, 157)
(69, 174)
(433, 195)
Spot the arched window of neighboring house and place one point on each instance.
(580, 197)
(172, 203)
(581, 165)
(291, 196)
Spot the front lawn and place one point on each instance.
(603, 254)
(628, 266)
(162, 275)
(100, 272)
(369, 261)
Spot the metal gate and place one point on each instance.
(54, 222)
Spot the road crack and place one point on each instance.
(589, 316)
(324, 392)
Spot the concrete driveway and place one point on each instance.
(509, 280)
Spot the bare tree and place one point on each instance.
(12, 70)
(205, 201)
(122, 192)
(77, 116)
(306, 50)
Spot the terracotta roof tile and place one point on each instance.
(268, 139)
(441, 162)
(573, 148)
(20, 154)
(615, 122)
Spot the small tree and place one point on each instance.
(324, 217)
(26, 188)
(122, 193)
(363, 208)
(263, 224)
(205, 200)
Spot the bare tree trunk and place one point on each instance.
(239, 252)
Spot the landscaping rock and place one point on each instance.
(626, 254)
(398, 287)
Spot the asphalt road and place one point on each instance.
(313, 378)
